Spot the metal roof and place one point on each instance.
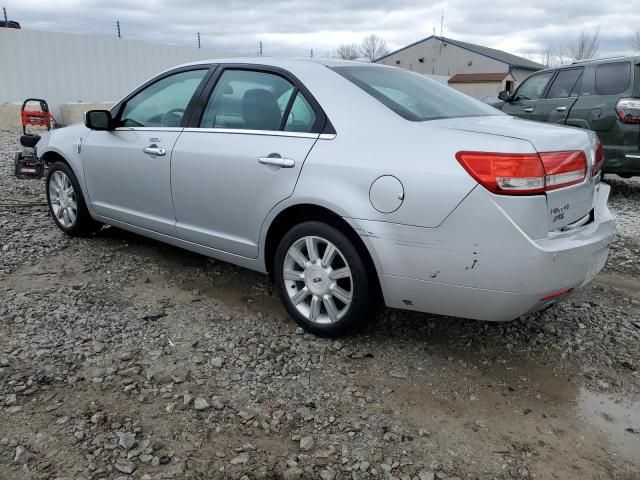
(478, 77)
(505, 57)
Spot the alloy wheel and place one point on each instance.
(318, 280)
(62, 196)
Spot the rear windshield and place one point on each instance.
(414, 96)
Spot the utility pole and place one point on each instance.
(260, 48)
(311, 52)
(118, 27)
(4, 10)
(198, 39)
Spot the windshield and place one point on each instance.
(414, 96)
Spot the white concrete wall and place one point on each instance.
(64, 67)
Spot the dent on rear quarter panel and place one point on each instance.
(477, 246)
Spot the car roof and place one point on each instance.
(282, 62)
(632, 58)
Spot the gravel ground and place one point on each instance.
(121, 357)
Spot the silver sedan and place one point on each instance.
(347, 183)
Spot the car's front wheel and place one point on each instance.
(66, 202)
(322, 279)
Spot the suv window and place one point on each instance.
(612, 78)
(163, 103)
(533, 87)
(566, 83)
(412, 95)
(248, 100)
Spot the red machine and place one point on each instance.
(27, 164)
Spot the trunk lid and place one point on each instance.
(567, 207)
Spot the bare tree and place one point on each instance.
(348, 51)
(373, 47)
(585, 47)
(635, 42)
(553, 55)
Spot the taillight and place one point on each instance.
(628, 110)
(564, 168)
(599, 159)
(525, 173)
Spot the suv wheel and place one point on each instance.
(66, 202)
(321, 279)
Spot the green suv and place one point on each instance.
(601, 95)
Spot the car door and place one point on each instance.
(523, 102)
(560, 97)
(127, 169)
(241, 156)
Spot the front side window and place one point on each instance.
(414, 96)
(566, 83)
(612, 78)
(163, 103)
(533, 87)
(248, 100)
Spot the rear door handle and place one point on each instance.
(278, 161)
(561, 109)
(528, 109)
(155, 151)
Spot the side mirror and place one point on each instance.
(504, 95)
(98, 120)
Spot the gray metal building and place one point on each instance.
(437, 55)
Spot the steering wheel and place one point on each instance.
(172, 118)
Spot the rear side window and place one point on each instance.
(566, 83)
(248, 100)
(412, 95)
(301, 117)
(612, 78)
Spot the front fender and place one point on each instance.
(65, 142)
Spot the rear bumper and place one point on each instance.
(479, 264)
(622, 159)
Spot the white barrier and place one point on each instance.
(68, 68)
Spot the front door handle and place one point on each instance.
(278, 161)
(155, 151)
(528, 109)
(561, 109)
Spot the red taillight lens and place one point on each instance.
(564, 168)
(512, 174)
(599, 159)
(524, 173)
(628, 110)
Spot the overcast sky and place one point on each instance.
(293, 27)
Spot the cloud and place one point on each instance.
(293, 27)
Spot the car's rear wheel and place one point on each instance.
(321, 279)
(66, 202)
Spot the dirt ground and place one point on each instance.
(121, 357)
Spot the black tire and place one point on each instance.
(83, 224)
(359, 283)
